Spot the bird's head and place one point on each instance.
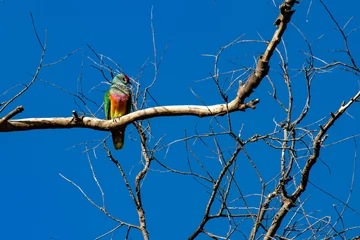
(121, 79)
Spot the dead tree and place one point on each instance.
(276, 209)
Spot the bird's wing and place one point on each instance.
(107, 105)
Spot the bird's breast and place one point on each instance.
(118, 104)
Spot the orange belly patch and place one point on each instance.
(117, 105)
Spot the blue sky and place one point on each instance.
(38, 204)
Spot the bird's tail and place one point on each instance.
(118, 138)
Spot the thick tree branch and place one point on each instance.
(106, 125)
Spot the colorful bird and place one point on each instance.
(117, 103)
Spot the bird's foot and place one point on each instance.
(116, 119)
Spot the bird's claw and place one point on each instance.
(116, 119)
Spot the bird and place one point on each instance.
(117, 103)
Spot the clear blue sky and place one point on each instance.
(38, 204)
